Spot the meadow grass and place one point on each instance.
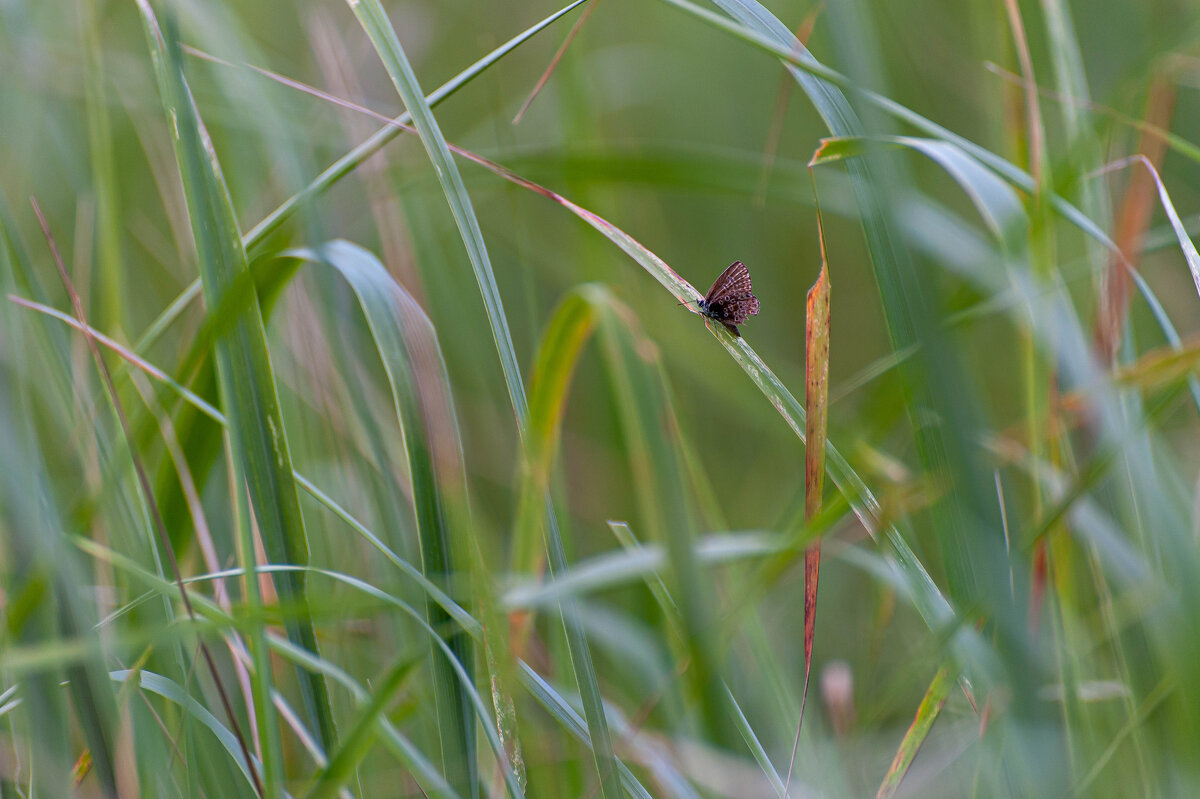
(348, 463)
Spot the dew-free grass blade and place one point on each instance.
(652, 435)
(816, 406)
(561, 346)
(170, 690)
(922, 723)
(408, 346)
(248, 392)
(758, 27)
(375, 22)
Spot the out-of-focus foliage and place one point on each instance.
(523, 522)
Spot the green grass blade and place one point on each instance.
(558, 707)
(172, 691)
(403, 336)
(652, 434)
(247, 387)
(922, 723)
(361, 735)
(755, 746)
(569, 329)
(760, 29)
(374, 21)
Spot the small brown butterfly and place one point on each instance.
(730, 300)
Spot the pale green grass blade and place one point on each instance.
(410, 757)
(379, 29)
(247, 389)
(172, 691)
(927, 713)
(28, 573)
(755, 747)
(638, 562)
(360, 736)
(42, 583)
(438, 594)
(404, 336)
(652, 434)
(557, 706)
(110, 313)
(568, 331)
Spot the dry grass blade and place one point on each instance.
(1137, 208)
(148, 494)
(816, 406)
(1037, 136)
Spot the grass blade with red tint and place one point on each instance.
(816, 405)
(927, 713)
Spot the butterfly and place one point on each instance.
(730, 300)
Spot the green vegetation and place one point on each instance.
(339, 459)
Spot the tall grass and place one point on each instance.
(345, 467)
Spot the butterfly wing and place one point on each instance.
(734, 281)
(731, 300)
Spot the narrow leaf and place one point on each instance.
(927, 713)
(247, 385)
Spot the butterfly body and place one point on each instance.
(730, 300)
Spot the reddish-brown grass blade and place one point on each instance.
(1137, 208)
(816, 403)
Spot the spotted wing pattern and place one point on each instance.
(733, 281)
(731, 300)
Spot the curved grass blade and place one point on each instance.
(762, 30)
(561, 346)
(412, 360)
(248, 391)
(374, 21)
(922, 723)
(411, 758)
(172, 691)
(666, 504)
(456, 612)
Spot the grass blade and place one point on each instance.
(404, 338)
(373, 19)
(816, 405)
(248, 391)
(922, 723)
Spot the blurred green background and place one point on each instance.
(1009, 601)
